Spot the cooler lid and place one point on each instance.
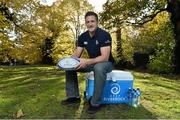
(114, 75)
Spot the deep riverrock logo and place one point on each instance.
(115, 88)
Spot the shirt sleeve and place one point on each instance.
(106, 40)
(80, 42)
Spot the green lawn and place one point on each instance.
(38, 90)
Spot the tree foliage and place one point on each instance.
(136, 12)
(31, 24)
(156, 38)
(153, 37)
(73, 11)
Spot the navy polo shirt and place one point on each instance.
(93, 44)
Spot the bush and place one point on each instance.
(161, 61)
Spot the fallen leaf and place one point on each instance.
(19, 113)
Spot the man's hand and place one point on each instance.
(83, 63)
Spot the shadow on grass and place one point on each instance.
(169, 76)
(158, 80)
(116, 111)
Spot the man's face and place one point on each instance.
(91, 23)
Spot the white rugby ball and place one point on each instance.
(68, 63)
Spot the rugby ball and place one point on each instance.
(68, 63)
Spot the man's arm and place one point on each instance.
(78, 52)
(105, 51)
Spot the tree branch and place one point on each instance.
(148, 18)
(10, 17)
(21, 28)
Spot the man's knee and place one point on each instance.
(101, 67)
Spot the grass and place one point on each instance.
(38, 90)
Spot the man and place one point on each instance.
(97, 42)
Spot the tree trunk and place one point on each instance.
(174, 8)
(46, 50)
(121, 63)
(119, 43)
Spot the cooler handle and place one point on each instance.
(113, 78)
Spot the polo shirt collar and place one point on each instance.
(96, 32)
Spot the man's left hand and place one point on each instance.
(83, 63)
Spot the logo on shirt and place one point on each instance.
(107, 41)
(85, 43)
(97, 42)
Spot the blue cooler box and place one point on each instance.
(116, 87)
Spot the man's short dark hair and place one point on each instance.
(91, 13)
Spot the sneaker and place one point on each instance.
(92, 109)
(70, 101)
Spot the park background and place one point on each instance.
(34, 35)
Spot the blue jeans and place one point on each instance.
(100, 70)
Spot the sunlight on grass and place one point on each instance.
(160, 95)
(38, 90)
